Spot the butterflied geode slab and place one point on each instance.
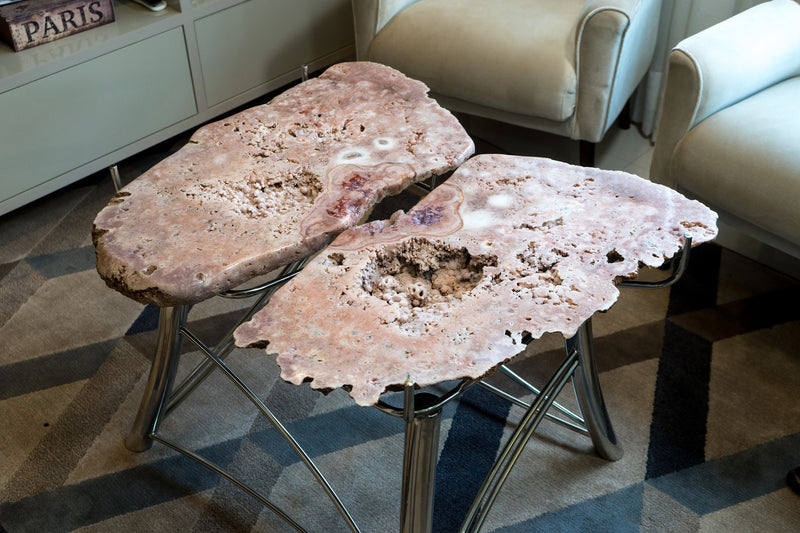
(508, 247)
(273, 184)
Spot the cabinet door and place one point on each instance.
(58, 123)
(252, 43)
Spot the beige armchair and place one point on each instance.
(730, 128)
(563, 66)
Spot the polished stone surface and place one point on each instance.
(508, 248)
(273, 184)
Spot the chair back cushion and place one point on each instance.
(516, 55)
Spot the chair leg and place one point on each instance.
(587, 153)
(590, 396)
(624, 119)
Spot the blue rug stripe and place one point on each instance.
(697, 289)
(680, 406)
(144, 486)
(737, 478)
(680, 403)
(146, 321)
(53, 370)
(63, 263)
(618, 512)
(74, 506)
(467, 456)
(372, 424)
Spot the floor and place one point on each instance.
(74, 357)
(627, 150)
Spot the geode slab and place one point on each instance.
(507, 248)
(273, 184)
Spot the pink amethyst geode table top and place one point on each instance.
(507, 247)
(273, 184)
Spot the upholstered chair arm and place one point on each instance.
(615, 44)
(722, 65)
(681, 95)
(369, 16)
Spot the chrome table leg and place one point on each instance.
(419, 463)
(422, 413)
(590, 397)
(162, 375)
(116, 180)
(511, 451)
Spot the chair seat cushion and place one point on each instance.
(516, 55)
(745, 160)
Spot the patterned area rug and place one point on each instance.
(702, 381)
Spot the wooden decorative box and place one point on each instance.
(33, 22)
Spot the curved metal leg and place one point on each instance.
(590, 396)
(517, 441)
(162, 375)
(267, 412)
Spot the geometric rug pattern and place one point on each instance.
(702, 381)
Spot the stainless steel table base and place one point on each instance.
(421, 411)
(159, 396)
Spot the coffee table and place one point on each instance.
(256, 194)
(391, 305)
(505, 250)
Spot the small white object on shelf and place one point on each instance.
(152, 5)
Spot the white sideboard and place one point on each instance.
(80, 104)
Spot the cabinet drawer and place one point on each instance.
(58, 123)
(255, 42)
